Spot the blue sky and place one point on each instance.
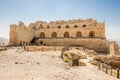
(12, 11)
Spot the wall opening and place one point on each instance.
(92, 34)
(66, 26)
(66, 35)
(41, 26)
(75, 26)
(41, 42)
(42, 35)
(48, 26)
(20, 43)
(78, 34)
(54, 34)
(84, 25)
(59, 27)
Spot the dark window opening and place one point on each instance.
(20, 43)
(42, 35)
(84, 25)
(79, 34)
(48, 26)
(41, 42)
(66, 26)
(54, 34)
(59, 27)
(41, 26)
(92, 34)
(66, 34)
(75, 26)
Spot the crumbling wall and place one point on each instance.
(24, 35)
(20, 34)
(13, 35)
(113, 48)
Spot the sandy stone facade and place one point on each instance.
(113, 48)
(87, 33)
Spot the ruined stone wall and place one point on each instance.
(20, 34)
(99, 32)
(113, 48)
(95, 43)
(88, 33)
(13, 35)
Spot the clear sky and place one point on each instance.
(12, 11)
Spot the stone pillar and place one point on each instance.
(113, 48)
(13, 35)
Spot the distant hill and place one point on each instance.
(3, 41)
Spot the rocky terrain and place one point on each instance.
(17, 64)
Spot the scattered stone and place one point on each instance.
(93, 62)
(16, 62)
(82, 64)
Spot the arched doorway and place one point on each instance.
(66, 26)
(92, 34)
(78, 34)
(20, 43)
(75, 26)
(54, 34)
(66, 34)
(41, 42)
(42, 35)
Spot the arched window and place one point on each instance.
(20, 43)
(92, 34)
(84, 25)
(27, 43)
(66, 34)
(41, 42)
(54, 34)
(48, 26)
(75, 26)
(41, 26)
(66, 26)
(23, 42)
(59, 27)
(34, 27)
(42, 35)
(78, 34)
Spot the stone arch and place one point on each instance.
(66, 35)
(41, 26)
(59, 27)
(75, 26)
(66, 26)
(27, 43)
(78, 34)
(23, 42)
(48, 26)
(84, 25)
(54, 34)
(41, 42)
(92, 34)
(20, 43)
(42, 35)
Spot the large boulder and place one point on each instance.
(71, 58)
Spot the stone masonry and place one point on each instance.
(113, 48)
(86, 33)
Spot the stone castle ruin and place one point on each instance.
(86, 33)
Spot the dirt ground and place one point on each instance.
(17, 64)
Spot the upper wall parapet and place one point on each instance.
(71, 23)
(62, 24)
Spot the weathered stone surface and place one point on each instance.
(88, 33)
(113, 48)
